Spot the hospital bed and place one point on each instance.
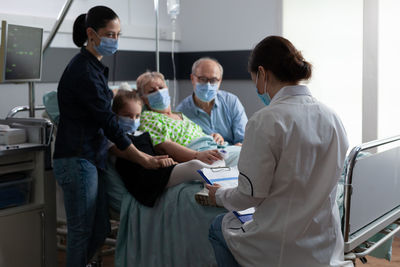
(175, 231)
(179, 199)
(371, 197)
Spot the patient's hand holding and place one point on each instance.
(212, 189)
(208, 156)
(218, 138)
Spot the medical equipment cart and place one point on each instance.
(27, 197)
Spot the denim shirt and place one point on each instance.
(86, 119)
(227, 118)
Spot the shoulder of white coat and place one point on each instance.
(330, 112)
(267, 112)
(264, 118)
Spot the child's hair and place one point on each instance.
(121, 97)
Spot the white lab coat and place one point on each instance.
(292, 155)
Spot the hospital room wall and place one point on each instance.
(388, 94)
(330, 35)
(354, 48)
(138, 27)
(208, 27)
(228, 26)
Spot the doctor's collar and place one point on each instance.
(291, 90)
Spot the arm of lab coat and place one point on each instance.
(233, 199)
(239, 122)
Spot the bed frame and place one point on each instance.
(371, 196)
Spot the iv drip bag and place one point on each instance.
(173, 8)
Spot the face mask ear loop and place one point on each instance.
(265, 86)
(93, 41)
(257, 80)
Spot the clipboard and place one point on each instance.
(224, 176)
(244, 215)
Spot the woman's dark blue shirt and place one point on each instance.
(86, 119)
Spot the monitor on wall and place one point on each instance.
(20, 53)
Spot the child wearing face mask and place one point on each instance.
(144, 184)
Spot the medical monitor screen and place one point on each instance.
(22, 53)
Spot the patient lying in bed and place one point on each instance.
(171, 132)
(144, 184)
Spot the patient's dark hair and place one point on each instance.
(122, 97)
(278, 55)
(96, 18)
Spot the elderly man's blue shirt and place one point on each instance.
(227, 118)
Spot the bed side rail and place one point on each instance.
(369, 246)
(18, 109)
(357, 241)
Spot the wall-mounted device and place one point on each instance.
(20, 53)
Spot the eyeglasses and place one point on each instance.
(203, 79)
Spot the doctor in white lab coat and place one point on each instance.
(290, 163)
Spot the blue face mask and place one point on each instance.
(265, 98)
(159, 100)
(107, 46)
(128, 125)
(206, 91)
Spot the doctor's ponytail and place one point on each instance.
(96, 18)
(278, 55)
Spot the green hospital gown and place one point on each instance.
(162, 128)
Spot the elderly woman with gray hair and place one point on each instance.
(170, 131)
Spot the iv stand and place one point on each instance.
(46, 45)
(157, 36)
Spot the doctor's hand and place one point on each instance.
(212, 189)
(208, 156)
(218, 138)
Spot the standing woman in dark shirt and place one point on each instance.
(86, 120)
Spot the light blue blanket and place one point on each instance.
(172, 233)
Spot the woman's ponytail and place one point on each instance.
(79, 35)
(278, 55)
(96, 18)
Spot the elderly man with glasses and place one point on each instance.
(218, 112)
